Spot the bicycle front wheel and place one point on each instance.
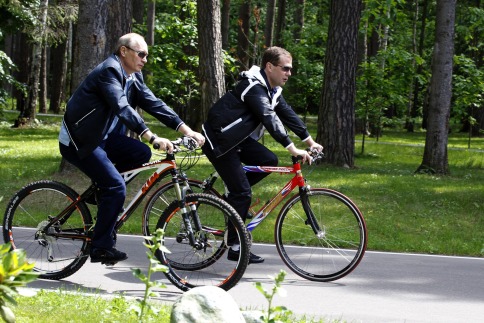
(202, 261)
(335, 249)
(28, 213)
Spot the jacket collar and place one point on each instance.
(255, 72)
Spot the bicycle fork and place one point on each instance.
(189, 216)
(311, 219)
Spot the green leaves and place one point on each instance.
(274, 313)
(154, 243)
(15, 271)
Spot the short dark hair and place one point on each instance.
(273, 54)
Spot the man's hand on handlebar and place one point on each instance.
(305, 156)
(187, 131)
(163, 144)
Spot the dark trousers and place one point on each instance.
(237, 181)
(116, 154)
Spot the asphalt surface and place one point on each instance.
(385, 287)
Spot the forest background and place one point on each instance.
(361, 68)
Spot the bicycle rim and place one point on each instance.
(331, 253)
(26, 216)
(190, 267)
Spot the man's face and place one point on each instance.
(131, 56)
(278, 74)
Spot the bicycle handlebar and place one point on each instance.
(316, 156)
(187, 142)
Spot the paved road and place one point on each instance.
(386, 287)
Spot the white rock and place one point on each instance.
(206, 304)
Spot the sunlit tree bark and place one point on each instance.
(336, 126)
(435, 159)
(212, 85)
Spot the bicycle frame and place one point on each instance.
(162, 168)
(296, 181)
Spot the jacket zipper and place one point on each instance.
(80, 120)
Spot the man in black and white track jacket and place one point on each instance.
(238, 120)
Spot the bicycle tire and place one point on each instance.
(30, 209)
(189, 267)
(338, 247)
(162, 197)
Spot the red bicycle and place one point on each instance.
(320, 233)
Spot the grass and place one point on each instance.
(404, 212)
(64, 306)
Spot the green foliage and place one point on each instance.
(15, 272)
(468, 86)
(274, 314)
(17, 14)
(155, 243)
(173, 59)
(6, 68)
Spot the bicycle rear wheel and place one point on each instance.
(332, 252)
(162, 197)
(192, 265)
(27, 214)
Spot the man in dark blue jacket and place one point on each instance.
(92, 135)
(237, 121)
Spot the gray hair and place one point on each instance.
(129, 40)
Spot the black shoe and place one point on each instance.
(253, 259)
(107, 256)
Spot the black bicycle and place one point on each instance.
(53, 224)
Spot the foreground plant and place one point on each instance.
(273, 313)
(15, 272)
(155, 242)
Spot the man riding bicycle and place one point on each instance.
(92, 135)
(237, 121)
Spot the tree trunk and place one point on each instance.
(420, 69)
(269, 28)
(409, 122)
(28, 115)
(243, 35)
(225, 24)
(43, 82)
(138, 12)
(299, 19)
(254, 55)
(99, 26)
(58, 73)
(21, 58)
(212, 85)
(150, 23)
(435, 158)
(281, 23)
(336, 129)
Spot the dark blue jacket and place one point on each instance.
(101, 97)
(246, 111)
